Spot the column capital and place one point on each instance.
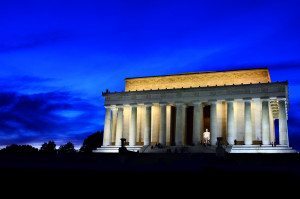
(133, 105)
(155, 104)
(114, 107)
(212, 101)
(120, 106)
(147, 104)
(256, 99)
(180, 104)
(197, 103)
(108, 107)
(238, 99)
(162, 104)
(281, 99)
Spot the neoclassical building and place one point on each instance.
(241, 106)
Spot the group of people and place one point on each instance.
(273, 144)
(157, 145)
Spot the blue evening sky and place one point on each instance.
(56, 57)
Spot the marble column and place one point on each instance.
(155, 119)
(119, 130)
(163, 124)
(231, 133)
(183, 124)
(283, 130)
(248, 123)
(198, 123)
(257, 112)
(272, 127)
(168, 133)
(147, 125)
(107, 127)
(114, 111)
(265, 123)
(180, 124)
(133, 126)
(178, 128)
(213, 123)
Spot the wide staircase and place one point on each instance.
(115, 149)
(179, 149)
(261, 149)
(199, 149)
(156, 149)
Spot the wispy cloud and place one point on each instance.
(29, 41)
(38, 117)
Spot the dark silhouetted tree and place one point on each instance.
(48, 147)
(67, 148)
(14, 148)
(92, 142)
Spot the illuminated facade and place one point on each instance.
(175, 110)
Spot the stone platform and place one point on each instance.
(168, 149)
(115, 149)
(181, 149)
(200, 149)
(260, 149)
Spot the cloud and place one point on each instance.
(41, 116)
(293, 127)
(15, 43)
(25, 83)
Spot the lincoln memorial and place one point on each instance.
(241, 107)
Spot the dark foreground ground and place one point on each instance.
(115, 166)
(149, 175)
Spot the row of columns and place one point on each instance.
(265, 122)
(114, 125)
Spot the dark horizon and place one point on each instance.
(56, 57)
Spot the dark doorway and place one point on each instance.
(172, 126)
(189, 125)
(206, 117)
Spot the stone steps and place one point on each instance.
(261, 149)
(115, 149)
(182, 149)
(201, 149)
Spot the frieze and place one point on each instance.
(199, 94)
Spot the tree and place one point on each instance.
(67, 148)
(49, 147)
(92, 142)
(14, 148)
